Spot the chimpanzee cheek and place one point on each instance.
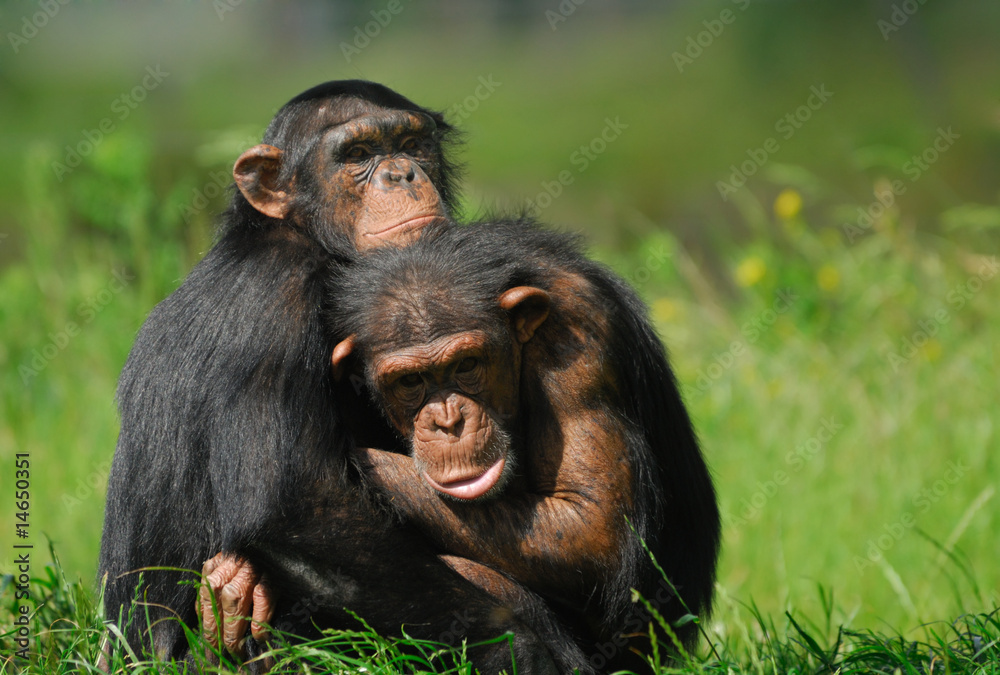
(341, 200)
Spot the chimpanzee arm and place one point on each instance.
(219, 384)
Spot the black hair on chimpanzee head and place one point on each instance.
(448, 281)
(296, 126)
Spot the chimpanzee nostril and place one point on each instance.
(396, 172)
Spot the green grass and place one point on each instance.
(67, 635)
(843, 384)
(831, 456)
(763, 380)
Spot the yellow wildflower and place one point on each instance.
(750, 271)
(787, 204)
(932, 350)
(828, 277)
(664, 309)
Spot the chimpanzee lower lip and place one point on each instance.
(412, 223)
(470, 488)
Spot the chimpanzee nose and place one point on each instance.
(447, 416)
(396, 171)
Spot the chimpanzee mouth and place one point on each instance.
(470, 488)
(411, 224)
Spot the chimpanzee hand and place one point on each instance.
(239, 592)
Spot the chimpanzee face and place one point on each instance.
(373, 177)
(456, 396)
(378, 173)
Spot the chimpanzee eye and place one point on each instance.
(357, 152)
(467, 365)
(410, 381)
(410, 144)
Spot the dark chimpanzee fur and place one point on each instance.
(418, 301)
(231, 438)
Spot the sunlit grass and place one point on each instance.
(67, 634)
(841, 376)
(827, 410)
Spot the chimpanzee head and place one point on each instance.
(351, 159)
(438, 328)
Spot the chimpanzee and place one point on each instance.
(231, 437)
(541, 416)
(540, 413)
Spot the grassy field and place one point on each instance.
(833, 321)
(70, 635)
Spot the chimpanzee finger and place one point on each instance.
(206, 591)
(263, 610)
(217, 572)
(204, 608)
(235, 600)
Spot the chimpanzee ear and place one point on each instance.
(340, 354)
(256, 173)
(528, 308)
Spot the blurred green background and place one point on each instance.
(806, 193)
